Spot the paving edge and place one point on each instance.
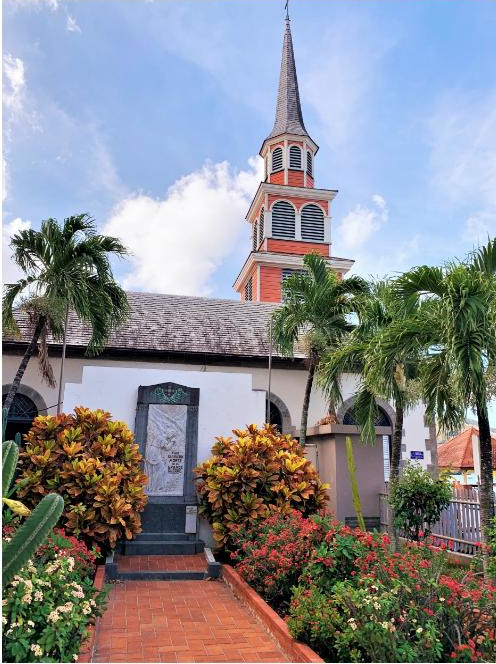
(273, 624)
(88, 645)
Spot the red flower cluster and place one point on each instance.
(61, 544)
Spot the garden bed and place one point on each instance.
(275, 626)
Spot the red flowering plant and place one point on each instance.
(271, 553)
(393, 607)
(63, 545)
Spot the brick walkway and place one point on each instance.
(180, 621)
(193, 563)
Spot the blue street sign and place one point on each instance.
(416, 454)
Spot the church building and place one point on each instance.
(187, 369)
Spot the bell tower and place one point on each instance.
(288, 216)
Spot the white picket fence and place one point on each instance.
(459, 524)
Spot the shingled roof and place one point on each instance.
(179, 324)
(289, 118)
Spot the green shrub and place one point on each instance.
(418, 500)
(259, 473)
(94, 464)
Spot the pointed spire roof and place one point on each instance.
(289, 119)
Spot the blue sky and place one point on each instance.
(149, 115)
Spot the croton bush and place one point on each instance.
(94, 464)
(257, 474)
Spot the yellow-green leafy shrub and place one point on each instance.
(259, 473)
(94, 463)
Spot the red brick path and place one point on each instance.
(180, 621)
(193, 563)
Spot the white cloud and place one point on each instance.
(71, 24)
(53, 5)
(479, 227)
(179, 241)
(359, 225)
(10, 271)
(5, 179)
(14, 82)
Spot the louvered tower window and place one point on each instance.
(294, 157)
(249, 290)
(254, 236)
(283, 220)
(261, 227)
(309, 164)
(277, 160)
(312, 223)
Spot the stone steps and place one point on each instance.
(160, 567)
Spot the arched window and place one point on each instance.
(312, 223)
(261, 228)
(294, 157)
(277, 160)
(21, 415)
(275, 416)
(283, 220)
(255, 236)
(382, 419)
(309, 164)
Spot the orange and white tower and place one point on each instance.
(289, 217)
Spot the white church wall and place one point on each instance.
(227, 400)
(287, 384)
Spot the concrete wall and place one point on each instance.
(227, 400)
(287, 384)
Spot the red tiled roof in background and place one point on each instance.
(456, 453)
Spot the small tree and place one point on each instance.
(66, 268)
(418, 500)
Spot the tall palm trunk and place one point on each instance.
(41, 322)
(62, 361)
(394, 468)
(306, 399)
(486, 496)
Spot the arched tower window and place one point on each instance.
(261, 228)
(277, 160)
(312, 223)
(255, 236)
(309, 164)
(21, 415)
(283, 220)
(294, 157)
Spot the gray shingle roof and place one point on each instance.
(289, 118)
(180, 324)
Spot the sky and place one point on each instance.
(149, 115)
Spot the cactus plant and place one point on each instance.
(35, 529)
(10, 453)
(5, 414)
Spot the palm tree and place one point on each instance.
(454, 329)
(357, 353)
(315, 306)
(66, 268)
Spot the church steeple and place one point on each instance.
(289, 217)
(289, 118)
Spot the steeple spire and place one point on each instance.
(289, 119)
